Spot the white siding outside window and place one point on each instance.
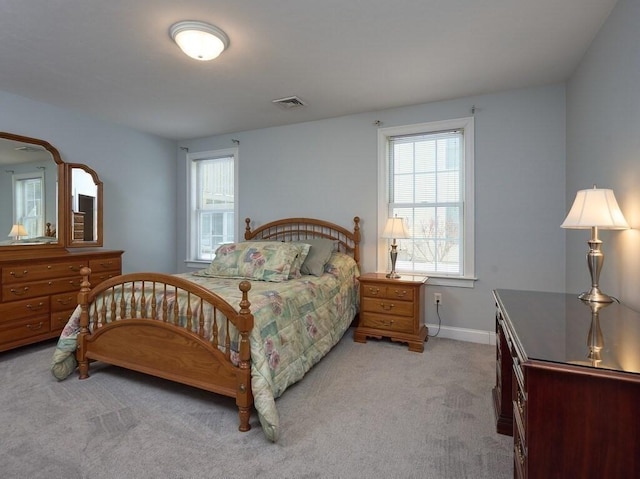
(426, 177)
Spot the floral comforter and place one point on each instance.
(296, 323)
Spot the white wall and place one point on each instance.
(328, 169)
(137, 170)
(603, 147)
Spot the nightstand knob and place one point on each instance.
(400, 293)
(374, 291)
(387, 307)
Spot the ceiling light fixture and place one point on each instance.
(199, 40)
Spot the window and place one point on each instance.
(212, 202)
(426, 177)
(28, 190)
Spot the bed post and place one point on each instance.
(356, 239)
(244, 396)
(85, 287)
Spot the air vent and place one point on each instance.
(289, 102)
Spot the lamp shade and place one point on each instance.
(17, 231)
(596, 207)
(395, 228)
(199, 40)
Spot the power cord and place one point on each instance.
(439, 320)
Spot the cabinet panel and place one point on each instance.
(387, 322)
(386, 306)
(24, 328)
(38, 294)
(39, 271)
(23, 309)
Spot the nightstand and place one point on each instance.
(392, 308)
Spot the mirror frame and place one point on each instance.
(72, 243)
(61, 216)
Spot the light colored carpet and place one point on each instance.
(370, 410)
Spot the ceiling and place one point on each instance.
(114, 59)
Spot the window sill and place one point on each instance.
(457, 282)
(197, 264)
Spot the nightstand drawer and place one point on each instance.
(389, 292)
(387, 322)
(388, 306)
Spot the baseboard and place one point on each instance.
(462, 334)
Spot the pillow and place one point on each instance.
(258, 260)
(303, 252)
(319, 254)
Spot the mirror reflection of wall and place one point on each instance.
(84, 203)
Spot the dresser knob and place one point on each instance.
(18, 275)
(34, 327)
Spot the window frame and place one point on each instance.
(192, 194)
(468, 278)
(19, 180)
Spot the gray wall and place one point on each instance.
(328, 169)
(603, 147)
(137, 170)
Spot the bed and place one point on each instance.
(248, 326)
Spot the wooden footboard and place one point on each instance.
(171, 328)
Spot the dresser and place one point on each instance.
(39, 292)
(392, 308)
(568, 385)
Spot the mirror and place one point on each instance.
(45, 202)
(30, 197)
(85, 207)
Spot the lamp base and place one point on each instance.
(393, 275)
(594, 295)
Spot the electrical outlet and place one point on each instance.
(437, 298)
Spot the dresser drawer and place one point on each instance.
(9, 312)
(105, 264)
(64, 301)
(388, 292)
(387, 322)
(98, 278)
(59, 319)
(40, 271)
(24, 328)
(387, 306)
(39, 288)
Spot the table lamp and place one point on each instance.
(595, 209)
(393, 229)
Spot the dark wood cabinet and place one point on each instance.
(568, 385)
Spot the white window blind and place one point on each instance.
(426, 180)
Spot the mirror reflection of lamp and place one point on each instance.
(17, 231)
(595, 340)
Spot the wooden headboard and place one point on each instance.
(298, 229)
